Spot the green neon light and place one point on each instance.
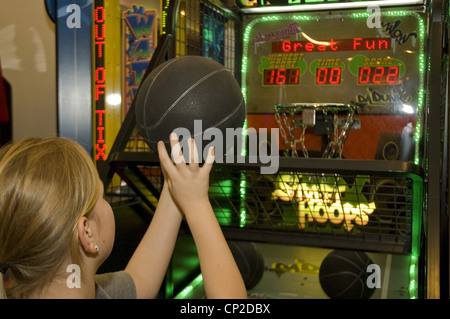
(417, 196)
(243, 212)
(242, 188)
(412, 276)
(164, 16)
(190, 288)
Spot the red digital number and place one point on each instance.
(321, 75)
(392, 76)
(269, 75)
(378, 75)
(281, 76)
(335, 75)
(328, 75)
(293, 76)
(364, 75)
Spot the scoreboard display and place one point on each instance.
(342, 58)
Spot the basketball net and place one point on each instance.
(292, 117)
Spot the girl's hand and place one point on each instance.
(188, 183)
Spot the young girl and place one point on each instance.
(54, 221)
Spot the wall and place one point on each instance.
(28, 60)
(27, 53)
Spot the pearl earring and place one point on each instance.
(96, 248)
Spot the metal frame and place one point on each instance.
(436, 211)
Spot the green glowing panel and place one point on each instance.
(191, 290)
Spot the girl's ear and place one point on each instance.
(86, 236)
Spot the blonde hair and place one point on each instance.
(46, 185)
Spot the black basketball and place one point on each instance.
(343, 275)
(185, 89)
(249, 261)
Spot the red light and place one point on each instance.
(97, 36)
(100, 134)
(330, 45)
(321, 75)
(98, 91)
(99, 14)
(328, 75)
(281, 76)
(378, 75)
(392, 77)
(364, 75)
(268, 76)
(99, 18)
(100, 77)
(335, 76)
(99, 46)
(294, 76)
(100, 152)
(100, 116)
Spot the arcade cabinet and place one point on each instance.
(344, 99)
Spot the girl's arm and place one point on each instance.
(189, 186)
(221, 276)
(149, 263)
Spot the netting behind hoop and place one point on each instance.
(292, 117)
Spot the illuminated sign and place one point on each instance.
(321, 202)
(337, 57)
(355, 44)
(100, 76)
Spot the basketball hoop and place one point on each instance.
(301, 116)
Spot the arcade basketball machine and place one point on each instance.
(345, 98)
